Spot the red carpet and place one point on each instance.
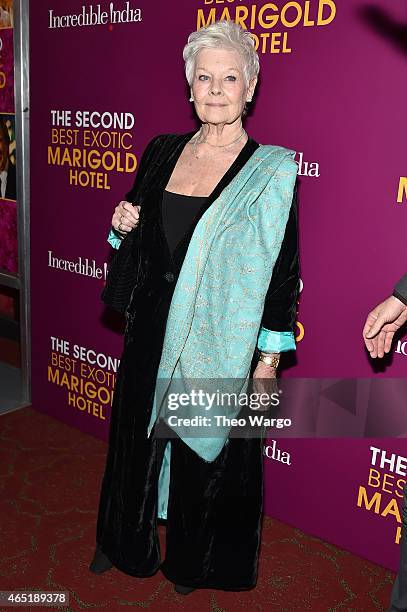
(50, 479)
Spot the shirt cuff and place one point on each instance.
(275, 342)
(114, 239)
(400, 297)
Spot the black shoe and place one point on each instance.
(183, 590)
(100, 563)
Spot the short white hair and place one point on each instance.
(225, 35)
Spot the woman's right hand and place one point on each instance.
(125, 217)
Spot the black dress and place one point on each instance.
(214, 509)
(179, 212)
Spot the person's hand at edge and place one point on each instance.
(381, 325)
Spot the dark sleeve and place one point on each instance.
(142, 169)
(124, 269)
(114, 237)
(400, 290)
(281, 298)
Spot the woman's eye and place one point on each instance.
(203, 77)
(231, 78)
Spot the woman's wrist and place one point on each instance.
(118, 232)
(271, 360)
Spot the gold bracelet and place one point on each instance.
(271, 361)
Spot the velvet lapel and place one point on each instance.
(167, 152)
(149, 240)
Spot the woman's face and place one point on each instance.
(219, 88)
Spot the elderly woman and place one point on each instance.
(207, 274)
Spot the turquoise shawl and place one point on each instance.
(218, 301)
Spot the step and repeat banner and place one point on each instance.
(108, 76)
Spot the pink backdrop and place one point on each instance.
(8, 208)
(338, 99)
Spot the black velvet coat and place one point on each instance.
(214, 509)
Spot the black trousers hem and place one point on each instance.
(167, 574)
(127, 570)
(206, 585)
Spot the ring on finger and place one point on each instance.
(119, 226)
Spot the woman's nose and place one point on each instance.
(216, 88)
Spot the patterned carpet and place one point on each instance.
(49, 483)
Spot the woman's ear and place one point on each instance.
(250, 89)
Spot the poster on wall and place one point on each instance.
(8, 156)
(326, 70)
